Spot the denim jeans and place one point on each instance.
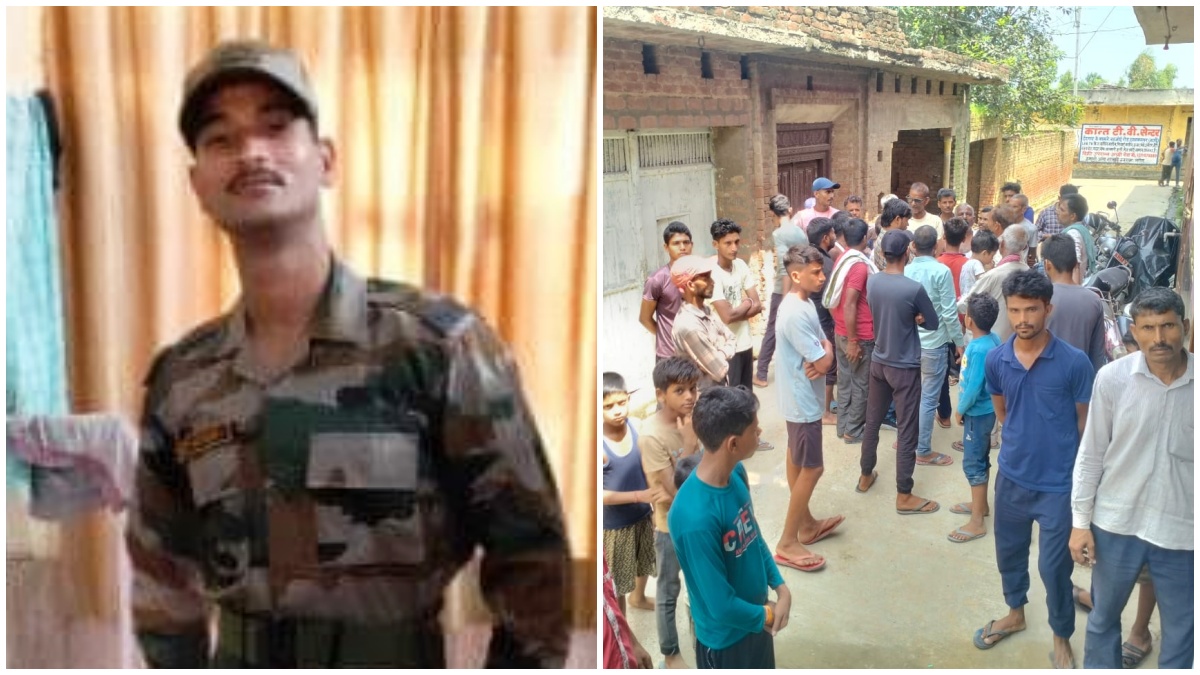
(977, 437)
(767, 350)
(933, 371)
(666, 593)
(1119, 558)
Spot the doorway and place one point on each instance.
(802, 155)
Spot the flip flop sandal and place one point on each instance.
(968, 535)
(1132, 655)
(957, 445)
(811, 567)
(986, 632)
(874, 477)
(954, 382)
(918, 511)
(939, 459)
(1075, 593)
(961, 508)
(838, 520)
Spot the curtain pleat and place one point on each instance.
(464, 138)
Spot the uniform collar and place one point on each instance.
(340, 315)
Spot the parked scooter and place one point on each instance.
(1101, 226)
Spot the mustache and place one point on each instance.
(242, 178)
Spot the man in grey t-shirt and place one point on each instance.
(898, 304)
(1078, 315)
(787, 235)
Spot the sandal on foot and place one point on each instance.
(937, 459)
(957, 445)
(961, 508)
(1132, 655)
(811, 563)
(986, 632)
(829, 525)
(966, 536)
(920, 509)
(1075, 593)
(874, 477)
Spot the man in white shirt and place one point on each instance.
(918, 201)
(1132, 497)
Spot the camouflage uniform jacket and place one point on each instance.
(344, 494)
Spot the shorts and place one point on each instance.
(629, 552)
(804, 444)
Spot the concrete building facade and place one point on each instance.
(708, 111)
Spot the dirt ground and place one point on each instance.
(895, 593)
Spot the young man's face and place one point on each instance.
(985, 220)
(679, 397)
(616, 409)
(809, 277)
(702, 285)
(727, 246)
(256, 162)
(1027, 315)
(947, 204)
(1160, 336)
(917, 201)
(678, 246)
(900, 223)
(1008, 194)
(854, 209)
(824, 199)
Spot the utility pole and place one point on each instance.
(1075, 89)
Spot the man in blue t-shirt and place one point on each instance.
(1040, 388)
(726, 564)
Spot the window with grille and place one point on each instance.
(616, 155)
(667, 150)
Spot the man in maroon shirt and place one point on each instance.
(660, 298)
(853, 328)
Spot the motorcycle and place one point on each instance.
(1110, 285)
(1099, 224)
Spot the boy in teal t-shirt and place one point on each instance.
(726, 564)
(978, 415)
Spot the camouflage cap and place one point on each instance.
(239, 58)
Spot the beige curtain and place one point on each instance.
(465, 139)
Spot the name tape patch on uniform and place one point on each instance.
(203, 440)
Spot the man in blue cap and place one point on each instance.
(823, 190)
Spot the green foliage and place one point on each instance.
(1015, 37)
(1092, 81)
(1144, 73)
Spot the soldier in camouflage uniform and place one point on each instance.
(319, 462)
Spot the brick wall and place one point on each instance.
(1040, 162)
(917, 156)
(678, 96)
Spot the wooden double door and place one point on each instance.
(803, 155)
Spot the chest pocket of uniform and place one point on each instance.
(365, 485)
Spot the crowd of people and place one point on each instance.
(874, 324)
